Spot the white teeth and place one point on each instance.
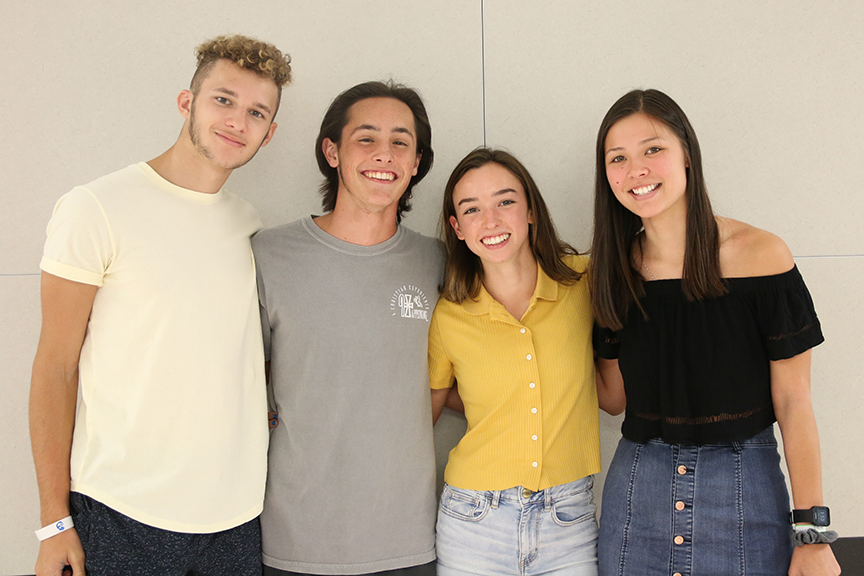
(380, 175)
(495, 239)
(644, 189)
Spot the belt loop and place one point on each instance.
(496, 495)
(547, 500)
(737, 446)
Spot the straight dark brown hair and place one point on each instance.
(463, 274)
(616, 282)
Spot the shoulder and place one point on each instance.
(747, 251)
(426, 242)
(276, 234)
(577, 262)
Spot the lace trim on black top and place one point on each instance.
(792, 334)
(697, 420)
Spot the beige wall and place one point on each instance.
(772, 88)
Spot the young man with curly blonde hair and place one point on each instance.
(147, 398)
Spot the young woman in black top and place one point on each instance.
(707, 326)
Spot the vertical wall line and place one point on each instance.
(483, 65)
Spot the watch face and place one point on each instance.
(821, 517)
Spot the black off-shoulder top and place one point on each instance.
(698, 372)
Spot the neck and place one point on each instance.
(184, 166)
(358, 227)
(664, 245)
(512, 283)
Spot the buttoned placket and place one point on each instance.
(683, 487)
(536, 421)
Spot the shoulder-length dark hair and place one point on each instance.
(337, 116)
(615, 280)
(463, 274)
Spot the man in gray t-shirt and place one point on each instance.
(346, 300)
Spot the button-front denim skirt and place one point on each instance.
(718, 509)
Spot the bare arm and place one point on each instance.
(610, 386)
(53, 394)
(439, 399)
(790, 392)
(454, 400)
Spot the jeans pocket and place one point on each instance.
(466, 505)
(574, 508)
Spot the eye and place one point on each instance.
(257, 114)
(400, 143)
(365, 139)
(507, 202)
(653, 150)
(470, 210)
(222, 100)
(616, 160)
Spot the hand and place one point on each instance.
(813, 560)
(61, 550)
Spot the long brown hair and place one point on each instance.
(615, 280)
(463, 274)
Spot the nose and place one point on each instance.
(238, 120)
(383, 153)
(638, 169)
(490, 219)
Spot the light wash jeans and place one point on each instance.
(519, 532)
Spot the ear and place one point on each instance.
(184, 103)
(331, 152)
(455, 224)
(530, 217)
(417, 164)
(269, 134)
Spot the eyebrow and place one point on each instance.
(233, 94)
(498, 193)
(640, 143)
(397, 130)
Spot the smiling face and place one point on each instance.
(231, 116)
(376, 156)
(492, 215)
(646, 167)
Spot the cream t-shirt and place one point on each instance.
(171, 424)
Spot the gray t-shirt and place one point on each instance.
(351, 482)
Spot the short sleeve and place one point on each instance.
(440, 368)
(606, 342)
(79, 246)
(787, 317)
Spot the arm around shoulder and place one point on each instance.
(53, 395)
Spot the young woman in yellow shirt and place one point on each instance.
(513, 327)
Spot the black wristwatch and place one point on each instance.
(817, 516)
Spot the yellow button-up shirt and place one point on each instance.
(528, 386)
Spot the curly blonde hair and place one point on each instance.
(260, 57)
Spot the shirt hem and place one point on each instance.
(346, 568)
(170, 525)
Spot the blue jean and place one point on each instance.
(516, 531)
(718, 509)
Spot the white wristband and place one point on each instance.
(54, 529)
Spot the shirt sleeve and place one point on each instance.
(606, 342)
(440, 368)
(80, 246)
(787, 317)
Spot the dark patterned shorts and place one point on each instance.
(116, 545)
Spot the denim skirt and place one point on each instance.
(717, 509)
(517, 531)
